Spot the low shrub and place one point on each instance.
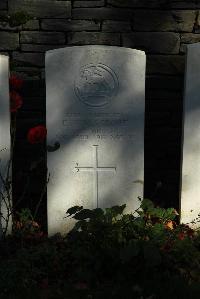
(108, 254)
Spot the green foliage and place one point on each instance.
(108, 254)
(160, 213)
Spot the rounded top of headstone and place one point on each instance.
(96, 47)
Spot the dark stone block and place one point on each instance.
(42, 8)
(153, 42)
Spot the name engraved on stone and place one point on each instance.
(96, 85)
(95, 169)
(90, 120)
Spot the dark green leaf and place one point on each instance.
(83, 214)
(147, 204)
(73, 210)
(97, 213)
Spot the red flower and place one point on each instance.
(181, 236)
(15, 83)
(37, 134)
(15, 101)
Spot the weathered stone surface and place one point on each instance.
(116, 26)
(155, 20)
(97, 3)
(153, 42)
(5, 141)
(42, 8)
(102, 13)
(99, 38)
(37, 48)
(97, 99)
(31, 37)
(165, 64)
(190, 38)
(69, 25)
(31, 25)
(36, 59)
(190, 204)
(9, 41)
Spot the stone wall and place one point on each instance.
(162, 28)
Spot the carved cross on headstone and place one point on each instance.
(95, 169)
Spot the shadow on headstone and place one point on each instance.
(95, 111)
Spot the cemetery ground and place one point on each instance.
(108, 254)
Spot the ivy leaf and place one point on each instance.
(73, 210)
(83, 214)
(97, 213)
(78, 225)
(115, 210)
(147, 205)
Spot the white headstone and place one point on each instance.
(4, 138)
(95, 110)
(190, 193)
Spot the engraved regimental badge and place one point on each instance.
(95, 85)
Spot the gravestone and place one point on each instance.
(95, 119)
(4, 138)
(190, 193)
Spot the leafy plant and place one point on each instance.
(107, 254)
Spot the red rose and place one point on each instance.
(37, 134)
(15, 101)
(15, 83)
